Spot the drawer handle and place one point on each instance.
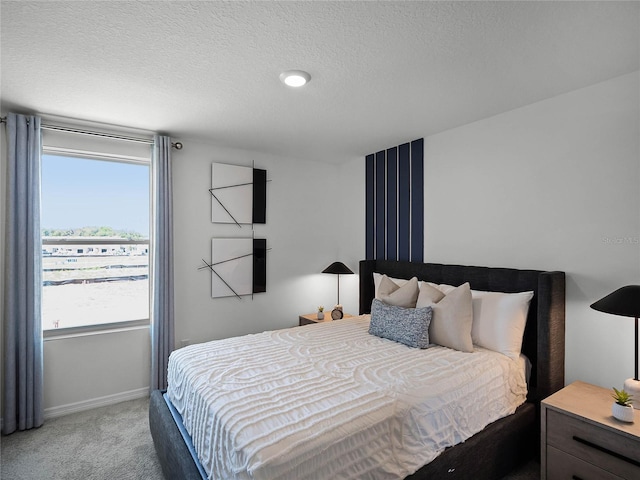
(607, 451)
(575, 477)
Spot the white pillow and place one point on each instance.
(499, 320)
(400, 296)
(452, 316)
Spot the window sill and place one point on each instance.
(65, 333)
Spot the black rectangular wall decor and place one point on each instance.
(259, 196)
(259, 265)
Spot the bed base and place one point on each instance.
(488, 455)
(174, 455)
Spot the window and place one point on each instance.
(95, 239)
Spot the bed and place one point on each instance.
(496, 449)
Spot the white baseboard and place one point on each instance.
(76, 407)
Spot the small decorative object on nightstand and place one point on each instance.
(580, 439)
(320, 314)
(622, 408)
(337, 313)
(625, 302)
(311, 318)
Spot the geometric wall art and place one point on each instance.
(238, 194)
(238, 266)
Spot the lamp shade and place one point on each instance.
(338, 268)
(625, 302)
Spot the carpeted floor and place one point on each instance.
(109, 443)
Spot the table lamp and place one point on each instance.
(338, 268)
(625, 302)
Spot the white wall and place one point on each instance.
(302, 205)
(553, 185)
(352, 229)
(82, 372)
(550, 186)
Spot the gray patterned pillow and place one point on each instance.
(405, 325)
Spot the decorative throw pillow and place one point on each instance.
(377, 278)
(409, 326)
(429, 294)
(452, 316)
(400, 296)
(444, 288)
(499, 320)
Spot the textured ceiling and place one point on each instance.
(382, 72)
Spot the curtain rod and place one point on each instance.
(126, 138)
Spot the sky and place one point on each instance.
(77, 192)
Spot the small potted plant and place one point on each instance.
(320, 312)
(622, 408)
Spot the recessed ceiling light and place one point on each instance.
(294, 78)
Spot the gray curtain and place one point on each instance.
(162, 310)
(23, 386)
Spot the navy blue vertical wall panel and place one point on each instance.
(380, 203)
(370, 199)
(404, 205)
(395, 203)
(392, 203)
(417, 200)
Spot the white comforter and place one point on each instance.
(330, 401)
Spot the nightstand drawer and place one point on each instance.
(593, 444)
(562, 466)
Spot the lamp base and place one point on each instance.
(632, 387)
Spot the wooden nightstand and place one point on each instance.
(582, 440)
(310, 318)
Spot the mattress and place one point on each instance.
(332, 401)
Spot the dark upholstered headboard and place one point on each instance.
(543, 340)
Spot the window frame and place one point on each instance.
(110, 327)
